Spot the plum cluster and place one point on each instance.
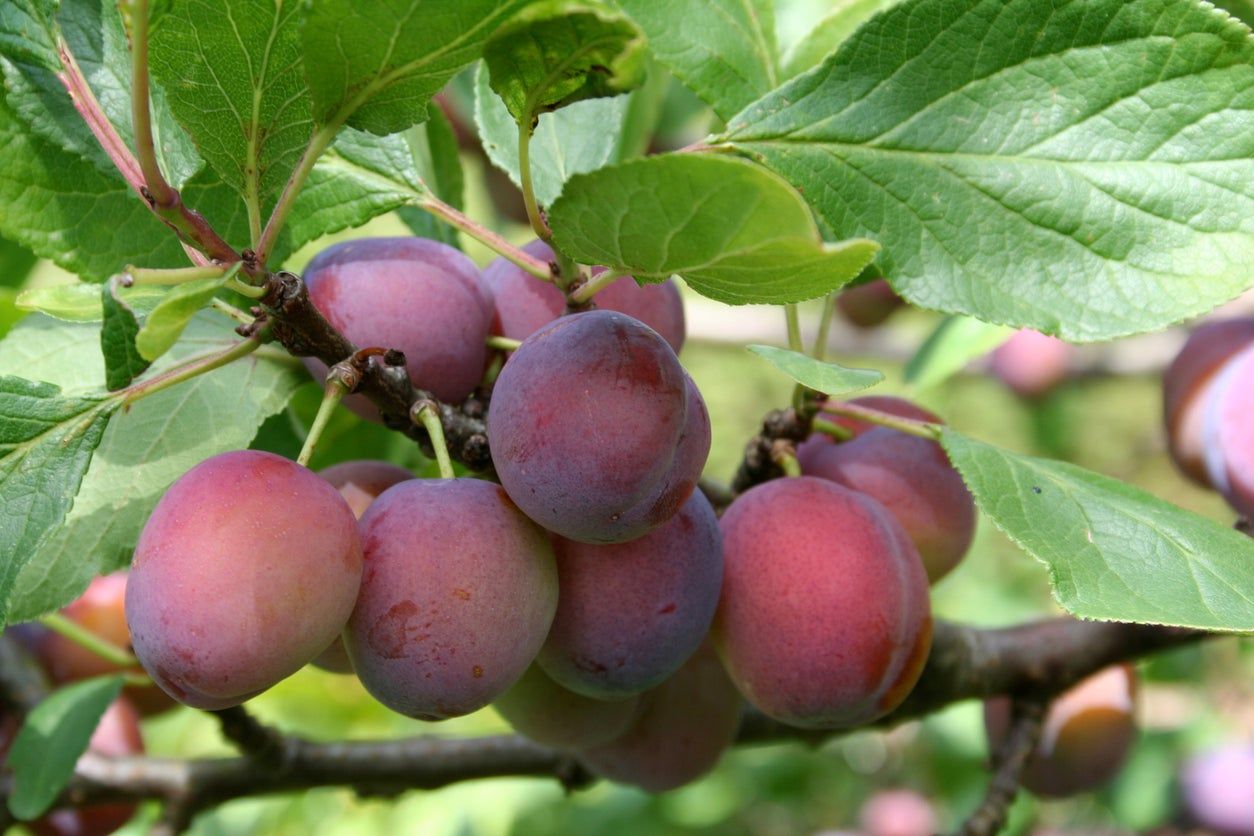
(1208, 410)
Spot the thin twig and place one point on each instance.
(988, 819)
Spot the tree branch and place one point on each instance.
(1031, 661)
(1027, 717)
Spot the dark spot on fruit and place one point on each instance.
(390, 635)
(667, 610)
(590, 665)
(462, 594)
(477, 672)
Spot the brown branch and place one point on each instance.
(1027, 717)
(758, 464)
(1031, 661)
(305, 332)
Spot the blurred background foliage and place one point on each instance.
(1193, 698)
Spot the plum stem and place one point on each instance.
(428, 413)
(503, 343)
(583, 294)
(86, 639)
(833, 429)
(515, 255)
(909, 426)
(784, 454)
(234, 313)
(331, 397)
(192, 368)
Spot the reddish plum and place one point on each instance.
(1032, 364)
(539, 708)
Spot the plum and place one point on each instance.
(422, 297)
(549, 714)
(246, 570)
(458, 594)
(868, 304)
(597, 432)
(1087, 734)
(680, 732)
(524, 304)
(629, 614)
(824, 620)
(898, 813)
(1186, 383)
(1031, 363)
(913, 479)
(1218, 785)
(1228, 432)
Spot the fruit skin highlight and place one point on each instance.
(597, 432)
(458, 594)
(825, 620)
(246, 570)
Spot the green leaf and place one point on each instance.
(828, 378)
(956, 341)
(46, 443)
(232, 71)
(144, 448)
(80, 302)
(558, 52)
(433, 146)
(28, 32)
(63, 208)
(94, 35)
(123, 362)
(576, 139)
(842, 21)
(377, 63)
(164, 326)
(724, 50)
(52, 739)
(733, 230)
(1114, 551)
(1085, 169)
(16, 263)
(10, 313)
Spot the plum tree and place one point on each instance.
(1186, 384)
(101, 609)
(524, 303)
(824, 620)
(413, 294)
(544, 711)
(1087, 733)
(246, 570)
(458, 594)
(1031, 363)
(597, 432)
(868, 304)
(629, 614)
(359, 481)
(680, 731)
(1217, 785)
(1228, 432)
(912, 478)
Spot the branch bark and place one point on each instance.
(1031, 662)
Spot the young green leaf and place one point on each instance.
(63, 208)
(46, 443)
(735, 231)
(828, 378)
(843, 19)
(143, 449)
(724, 50)
(580, 138)
(956, 341)
(232, 71)
(376, 63)
(163, 327)
(558, 52)
(1087, 171)
(80, 302)
(1113, 551)
(123, 362)
(52, 739)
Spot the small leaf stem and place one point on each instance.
(836, 431)
(503, 343)
(528, 187)
(141, 117)
(825, 327)
(318, 143)
(793, 318)
(784, 454)
(529, 263)
(429, 415)
(922, 429)
(583, 294)
(86, 639)
(334, 393)
(134, 276)
(245, 289)
(192, 368)
(234, 313)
